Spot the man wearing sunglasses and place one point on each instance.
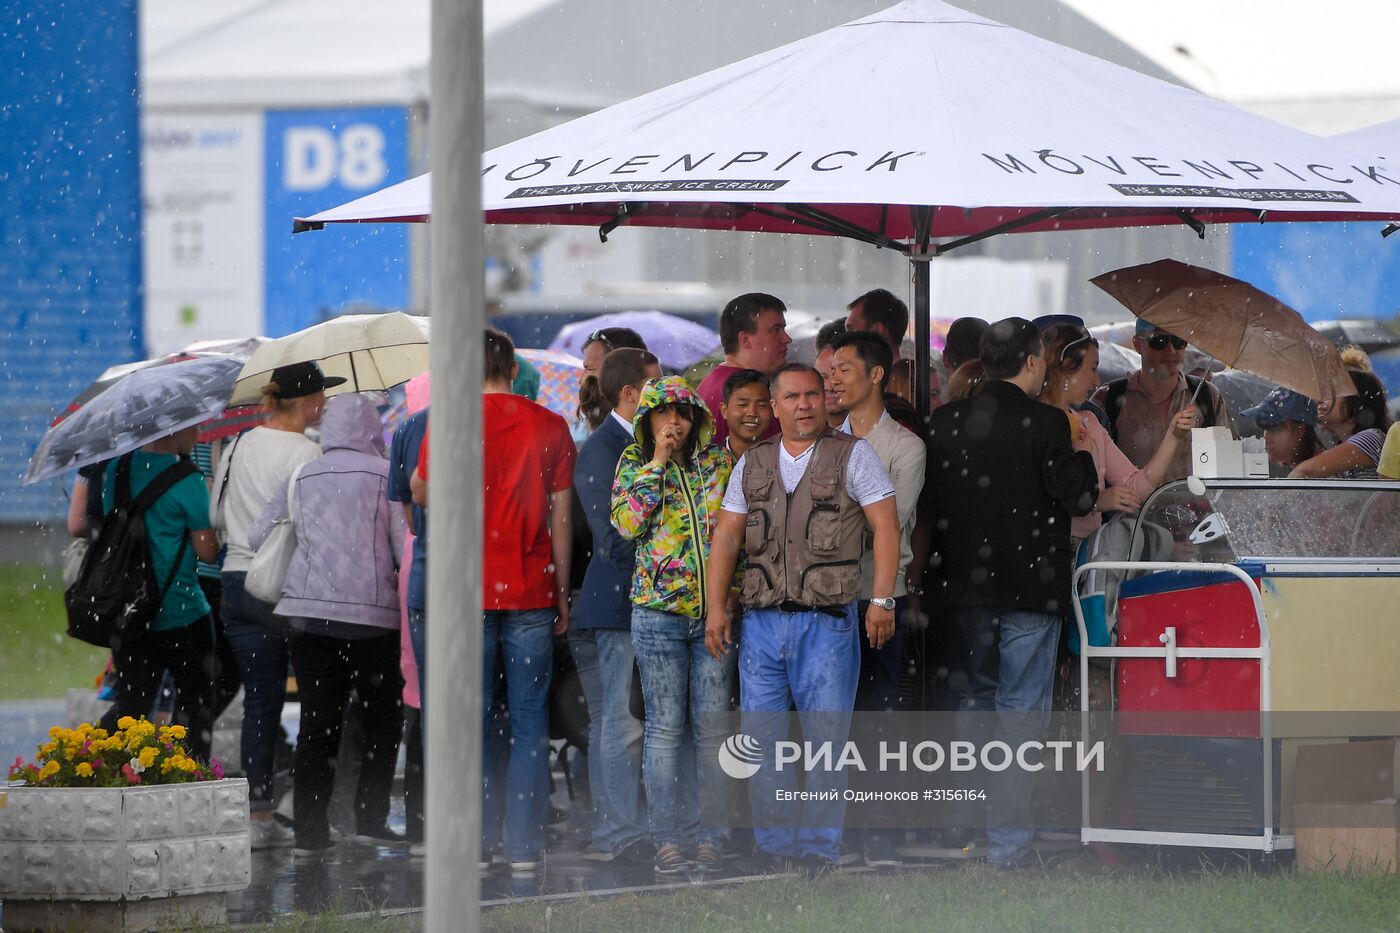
(1141, 405)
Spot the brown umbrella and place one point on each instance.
(1233, 321)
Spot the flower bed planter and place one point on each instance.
(122, 857)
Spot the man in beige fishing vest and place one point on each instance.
(800, 505)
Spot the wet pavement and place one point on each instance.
(24, 724)
(355, 878)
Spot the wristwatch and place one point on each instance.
(884, 602)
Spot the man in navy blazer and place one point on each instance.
(600, 633)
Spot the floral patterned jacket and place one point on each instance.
(670, 511)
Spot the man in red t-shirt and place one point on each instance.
(527, 472)
(753, 332)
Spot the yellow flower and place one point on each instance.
(48, 771)
(176, 732)
(48, 748)
(125, 723)
(148, 756)
(84, 770)
(166, 765)
(56, 733)
(187, 765)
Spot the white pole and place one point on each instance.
(453, 705)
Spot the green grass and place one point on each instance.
(971, 898)
(336, 923)
(1075, 894)
(37, 660)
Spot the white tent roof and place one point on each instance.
(544, 54)
(1264, 50)
(293, 53)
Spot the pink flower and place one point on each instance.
(96, 763)
(216, 768)
(131, 776)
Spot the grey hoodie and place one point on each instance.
(349, 536)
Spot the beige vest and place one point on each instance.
(804, 546)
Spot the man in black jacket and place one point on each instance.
(1004, 482)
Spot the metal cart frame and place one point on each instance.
(1269, 840)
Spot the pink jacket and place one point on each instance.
(1112, 465)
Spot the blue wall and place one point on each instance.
(1323, 271)
(70, 219)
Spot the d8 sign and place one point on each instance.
(315, 157)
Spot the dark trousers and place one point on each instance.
(258, 638)
(225, 665)
(327, 670)
(413, 789)
(877, 691)
(185, 652)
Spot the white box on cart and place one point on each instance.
(1215, 453)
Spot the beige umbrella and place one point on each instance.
(372, 352)
(1234, 322)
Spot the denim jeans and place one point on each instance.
(679, 674)
(1011, 670)
(811, 661)
(327, 670)
(418, 637)
(258, 638)
(604, 658)
(517, 647)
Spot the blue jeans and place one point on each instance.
(258, 638)
(1010, 670)
(604, 659)
(518, 647)
(809, 660)
(680, 675)
(418, 638)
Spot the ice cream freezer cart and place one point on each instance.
(1248, 618)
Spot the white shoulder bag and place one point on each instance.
(267, 573)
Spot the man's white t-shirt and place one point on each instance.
(867, 482)
(263, 461)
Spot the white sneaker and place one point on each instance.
(269, 834)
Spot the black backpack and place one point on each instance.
(116, 596)
(1113, 403)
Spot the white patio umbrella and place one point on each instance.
(371, 351)
(917, 124)
(1379, 140)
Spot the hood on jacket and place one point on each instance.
(351, 422)
(673, 390)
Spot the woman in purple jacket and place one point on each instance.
(341, 595)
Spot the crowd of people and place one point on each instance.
(767, 541)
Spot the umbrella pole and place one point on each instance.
(452, 707)
(922, 354)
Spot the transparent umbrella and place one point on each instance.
(144, 406)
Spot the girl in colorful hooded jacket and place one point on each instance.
(666, 497)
